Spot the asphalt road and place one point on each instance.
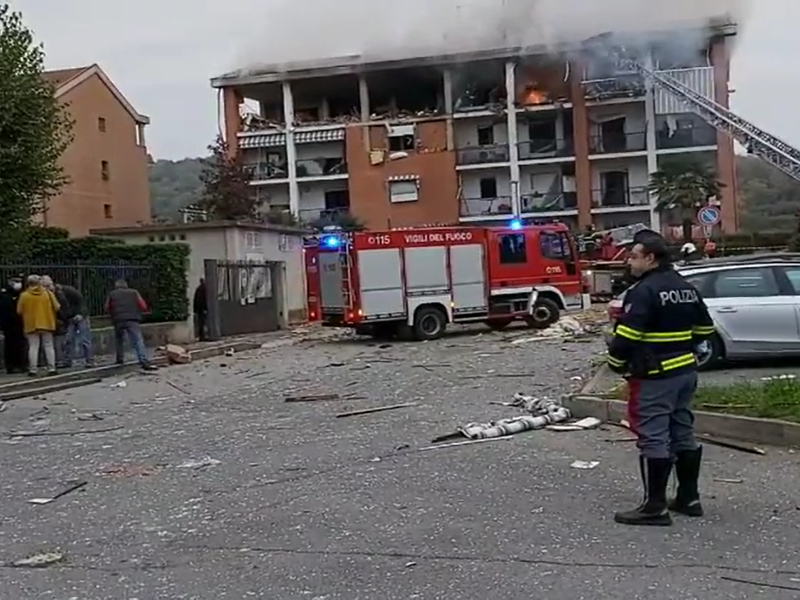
(306, 506)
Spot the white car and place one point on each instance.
(754, 302)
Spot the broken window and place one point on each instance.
(488, 186)
(479, 86)
(326, 99)
(486, 135)
(675, 55)
(406, 93)
(402, 138)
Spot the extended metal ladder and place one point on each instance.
(757, 142)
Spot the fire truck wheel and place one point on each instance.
(429, 323)
(545, 313)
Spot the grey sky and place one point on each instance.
(162, 53)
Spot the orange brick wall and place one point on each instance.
(431, 162)
(80, 206)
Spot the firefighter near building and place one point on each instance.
(412, 283)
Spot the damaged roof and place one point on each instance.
(358, 63)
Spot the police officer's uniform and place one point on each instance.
(664, 318)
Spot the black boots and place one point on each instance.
(654, 509)
(687, 468)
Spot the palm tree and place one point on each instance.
(684, 187)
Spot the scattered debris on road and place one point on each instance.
(464, 443)
(366, 411)
(130, 471)
(38, 561)
(200, 463)
(543, 412)
(72, 488)
(313, 398)
(120, 384)
(177, 355)
(563, 328)
(731, 444)
(59, 433)
(728, 479)
(582, 425)
(230, 352)
(585, 465)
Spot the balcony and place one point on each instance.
(618, 143)
(326, 216)
(310, 168)
(613, 198)
(538, 202)
(482, 155)
(690, 137)
(485, 207)
(267, 171)
(629, 86)
(545, 148)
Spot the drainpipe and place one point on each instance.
(291, 151)
(650, 139)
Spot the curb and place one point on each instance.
(746, 429)
(34, 387)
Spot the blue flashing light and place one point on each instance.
(515, 224)
(331, 242)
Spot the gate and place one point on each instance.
(243, 297)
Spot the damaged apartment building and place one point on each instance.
(477, 138)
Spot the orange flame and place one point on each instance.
(532, 96)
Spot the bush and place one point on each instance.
(165, 289)
(776, 397)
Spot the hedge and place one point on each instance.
(165, 288)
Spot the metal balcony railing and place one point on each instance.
(545, 148)
(330, 215)
(628, 85)
(637, 196)
(475, 207)
(266, 171)
(635, 141)
(321, 167)
(690, 137)
(478, 155)
(548, 202)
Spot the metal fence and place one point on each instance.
(92, 280)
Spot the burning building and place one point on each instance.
(476, 137)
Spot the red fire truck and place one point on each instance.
(414, 282)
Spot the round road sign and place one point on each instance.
(708, 216)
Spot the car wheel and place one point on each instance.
(710, 353)
(545, 313)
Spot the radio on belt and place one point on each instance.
(414, 282)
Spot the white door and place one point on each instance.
(752, 312)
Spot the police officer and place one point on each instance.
(663, 320)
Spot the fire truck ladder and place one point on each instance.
(346, 266)
(757, 142)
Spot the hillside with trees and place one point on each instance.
(770, 199)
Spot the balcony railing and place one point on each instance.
(548, 202)
(476, 207)
(618, 143)
(637, 196)
(545, 148)
(321, 167)
(624, 86)
(698, 79)
(479, 155)
(265, 171)
(692, 137)
(321, 216)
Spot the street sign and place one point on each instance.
(708, 216)
(707, 231)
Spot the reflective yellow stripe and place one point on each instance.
(628, 332)
(615, 361)
(703, 330)
(684, 360)
(668, 336)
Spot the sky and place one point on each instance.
(161, 54)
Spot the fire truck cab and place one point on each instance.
(414, 282)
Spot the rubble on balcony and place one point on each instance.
(252, 122)
(305, 119)
(629, 85)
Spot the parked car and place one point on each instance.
(755, 304)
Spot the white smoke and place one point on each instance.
(303, 30)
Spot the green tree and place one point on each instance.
(682, 188)
(226, 185)
(35, 130)
(174, 184)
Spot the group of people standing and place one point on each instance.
(44, 316)
(51, 318)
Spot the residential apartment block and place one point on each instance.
(479, 137)
(107, 163)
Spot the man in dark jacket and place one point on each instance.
(126, 307)
(200, 308)
(78, 328)
(15, 351)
